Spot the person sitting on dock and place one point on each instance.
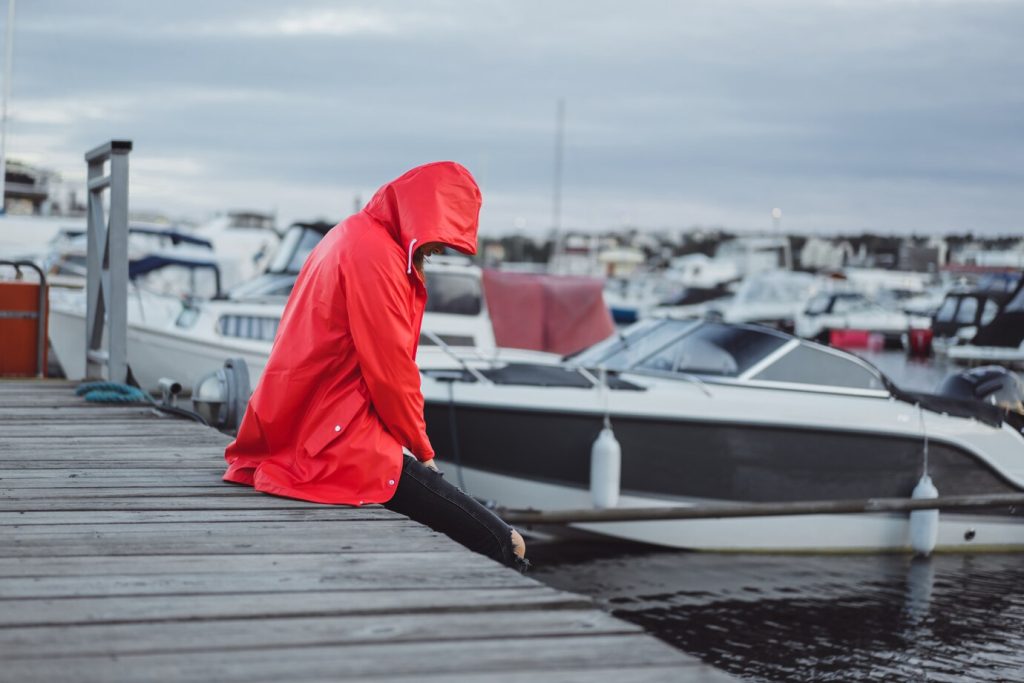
(340, 397)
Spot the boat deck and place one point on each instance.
(125, 558)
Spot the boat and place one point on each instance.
(770, 297)
(962, 312)
(711, 412)
(827, 312)
(1001, 340)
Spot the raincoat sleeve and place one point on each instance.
(380, 321)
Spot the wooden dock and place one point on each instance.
(123, 557)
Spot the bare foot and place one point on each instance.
(518, 544)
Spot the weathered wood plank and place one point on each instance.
(399, 535)
(206, 502)
(148, 429)
(146, 608)
(359, 662)
(439, 571)
(209, 477)
(109, 456)
(232, 634)
(20, 475)
(47, 412)
(234, 565)
(324, 513)
(12, 448)
(8, 493)
(692, 673)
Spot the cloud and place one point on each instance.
(885, 114)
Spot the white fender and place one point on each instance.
(924, 524)
(605, 469)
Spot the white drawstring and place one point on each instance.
(412, 244)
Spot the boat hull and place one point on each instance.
(541, 459)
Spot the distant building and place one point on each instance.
(28, 189)
(919, 258)
(823, 254)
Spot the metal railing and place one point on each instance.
(107, 258)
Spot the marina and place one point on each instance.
(125, 558)
(511, 342)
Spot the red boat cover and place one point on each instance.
(340, 395)
(554, 313)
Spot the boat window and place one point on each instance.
(641, 341)
(989, 312)
(453, 293)
(714, 349)
(808, 364)
(449, 339)
(968, 308)
(846, 304)
(259, 327)
(1016, 304)
(187, 317)
(818, 304)
(293, 250)
(946, 311)
(283, 289)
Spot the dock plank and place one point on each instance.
(273, 632)
(126, 558)
(190, 607)
(429, 656)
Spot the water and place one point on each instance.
(814, 617)
(822, 618)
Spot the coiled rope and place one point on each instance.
(114, 392)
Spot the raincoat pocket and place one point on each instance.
(333, 423)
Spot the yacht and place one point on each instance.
(711, 412)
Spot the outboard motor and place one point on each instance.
(992, 384)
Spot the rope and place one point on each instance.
(111, 392)
(114, 392)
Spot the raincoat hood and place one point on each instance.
(438, 202)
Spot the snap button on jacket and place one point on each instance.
(340, 395)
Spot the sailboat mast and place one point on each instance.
(8, 60)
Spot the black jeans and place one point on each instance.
(424, 496)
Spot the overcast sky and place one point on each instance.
(892, 115)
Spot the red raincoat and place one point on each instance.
(340, 395)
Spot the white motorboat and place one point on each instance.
(847, 310)
(771, 297)
(708, 412)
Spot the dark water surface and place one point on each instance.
(816, 617)
(804, 618)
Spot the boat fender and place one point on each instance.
(605, 469)
(924, 524)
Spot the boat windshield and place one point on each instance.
(294, 248)
(685, 347)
